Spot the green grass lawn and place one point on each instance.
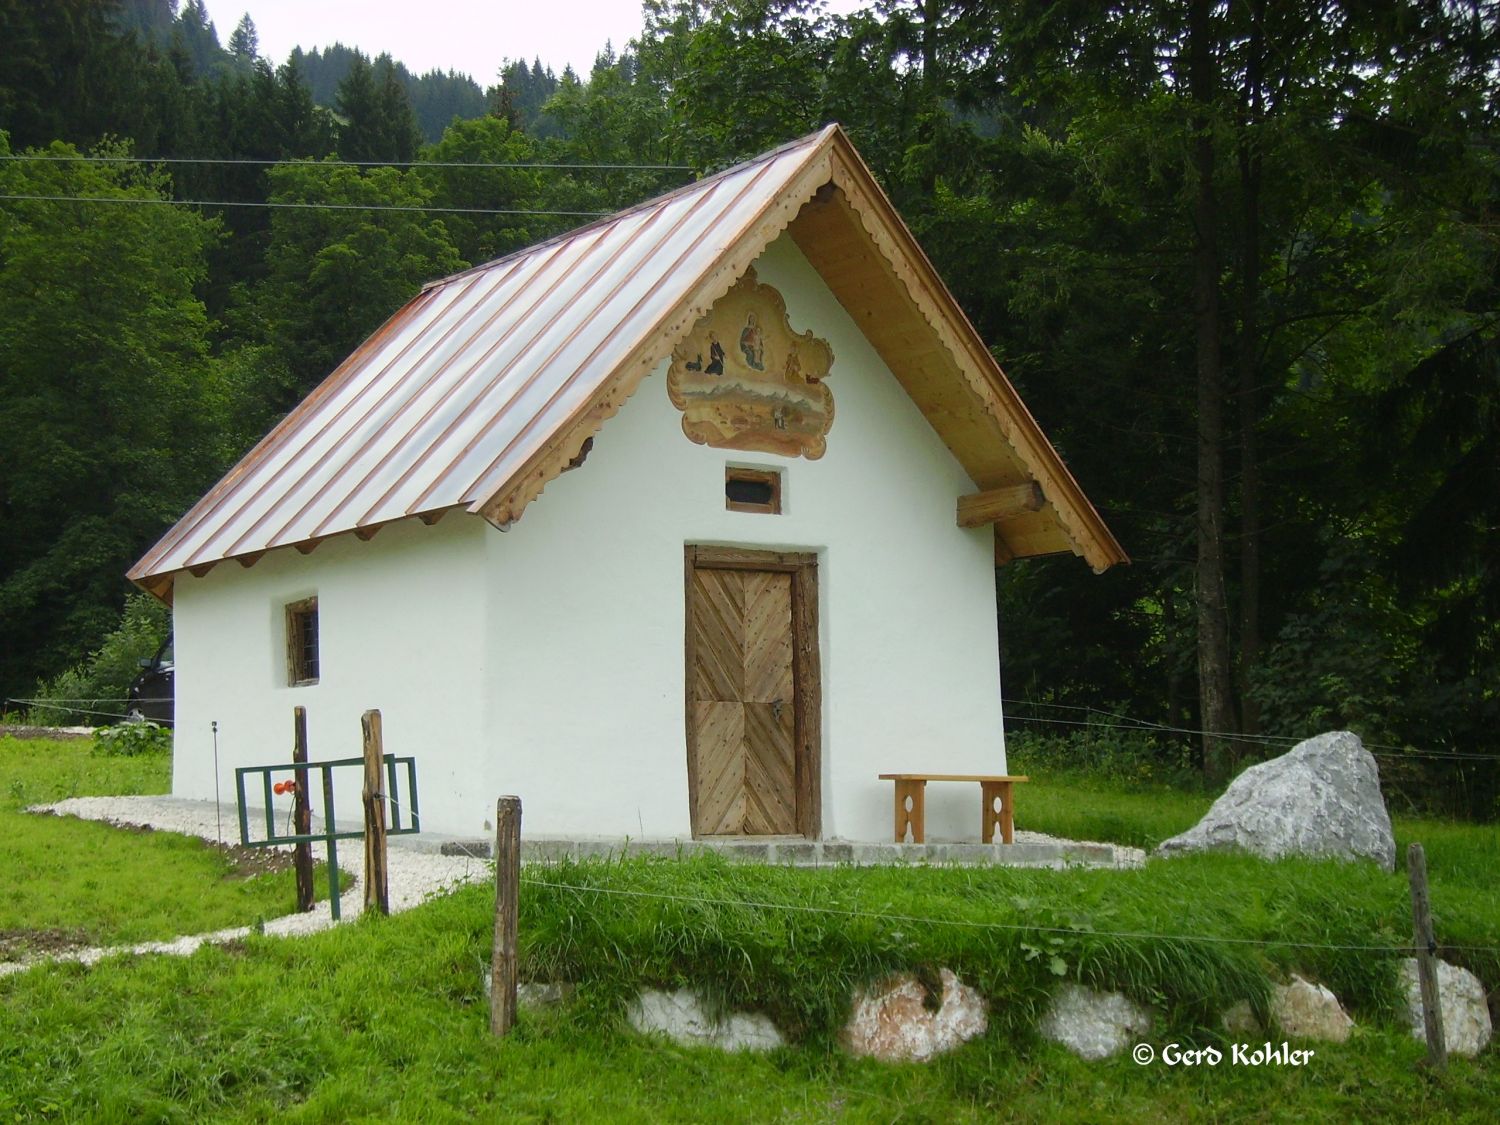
(1083, 808)
(386, 1019)
(71, 882)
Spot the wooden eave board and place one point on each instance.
(876, 270)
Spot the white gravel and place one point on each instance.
(1125, 856)
(413, 874)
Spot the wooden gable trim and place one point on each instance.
(970, 359)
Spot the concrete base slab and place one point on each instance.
(797, 852)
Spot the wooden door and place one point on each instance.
(751, 686)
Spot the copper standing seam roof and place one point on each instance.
(454, 395)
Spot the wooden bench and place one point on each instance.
(996, 803)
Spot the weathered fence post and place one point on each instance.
(302, 812)
(1427, 961)
(377, 893)
(507, 891)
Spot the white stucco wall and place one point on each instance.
(585, 651)
(400, 630)
(548, 660)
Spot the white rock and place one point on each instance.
(543, 994)
(1466, 1010)
(1094, 1025)
(1309, 1011)
(683, 1019)
(1321, 798)
(892, 1022)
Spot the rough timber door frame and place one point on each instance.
(806, 672)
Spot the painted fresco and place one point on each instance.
(744, 380)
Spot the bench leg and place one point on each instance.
(992, 794)
(909, 797)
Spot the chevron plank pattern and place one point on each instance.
(743, 703)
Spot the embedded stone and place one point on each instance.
(894, 1023)
(1309, 1011)
(1321, 798)
(1466, 1010)
(1094, 1025)
(682, 1017)
(1239, 1019)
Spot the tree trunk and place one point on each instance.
(1214, 674)
(931, 101)
(1249, 373)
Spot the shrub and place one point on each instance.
(95, 689)
(131, 740)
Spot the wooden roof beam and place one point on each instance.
(997, 505)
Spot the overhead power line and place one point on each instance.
(49, 158)
(149, 200)
(1128, 722)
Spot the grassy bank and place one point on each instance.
(387, 1019)
(73, 883)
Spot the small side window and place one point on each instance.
(752, 490)
(302, 642)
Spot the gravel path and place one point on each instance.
(414, 875)
(416, 871)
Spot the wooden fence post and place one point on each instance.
(507, 891)
(1427, 961)
(302, 812)
(377, 893)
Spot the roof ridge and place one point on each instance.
(655, 201)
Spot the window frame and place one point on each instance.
(300, 670)
(747, 474)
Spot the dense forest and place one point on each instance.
(1239, 259)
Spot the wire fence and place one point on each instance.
(1120, 721)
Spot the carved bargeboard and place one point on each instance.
(744, 380)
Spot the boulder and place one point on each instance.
(894, 1024)
(543, 994)
(1309, 1011)
(682, 1017)
(1466, 1011)
(1321, 798)
(1094, 1025)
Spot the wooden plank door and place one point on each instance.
(749, 704)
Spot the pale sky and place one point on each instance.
(471, 36)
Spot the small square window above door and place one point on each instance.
(752, 490)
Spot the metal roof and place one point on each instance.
(454, 392)
(468, 389)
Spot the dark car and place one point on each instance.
(150, 694)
